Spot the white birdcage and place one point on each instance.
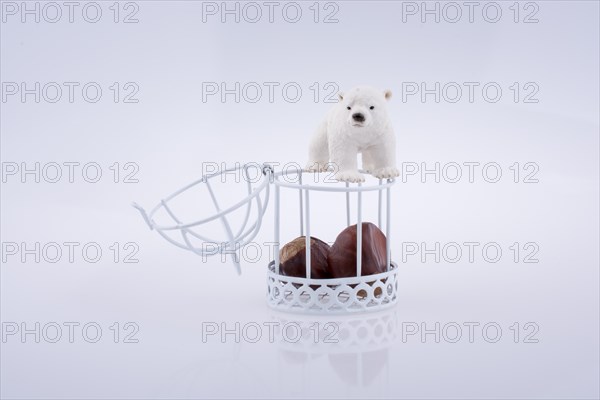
(289, 293)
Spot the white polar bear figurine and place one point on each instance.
(358, 123)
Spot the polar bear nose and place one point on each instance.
(358, 117)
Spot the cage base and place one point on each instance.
(332, 296)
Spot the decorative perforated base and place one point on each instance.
(332, 296)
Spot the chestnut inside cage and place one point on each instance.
(305, 294)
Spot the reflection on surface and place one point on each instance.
(349, 352)
(304, 356)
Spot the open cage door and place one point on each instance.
(199, 219)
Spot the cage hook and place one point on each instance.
(267, 169)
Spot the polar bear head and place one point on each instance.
(364, 106)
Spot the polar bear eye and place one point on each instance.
(348, 108)
(372, 107)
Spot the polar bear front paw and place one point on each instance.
(387, 172)
(350, 176)
(316, 166)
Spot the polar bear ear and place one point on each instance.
(387, 94)
(341, 96)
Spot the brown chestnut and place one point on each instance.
(292, 258)
(342, 255)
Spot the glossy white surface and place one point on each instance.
(173, 295)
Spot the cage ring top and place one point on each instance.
(347, 188)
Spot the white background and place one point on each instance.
(170, 133)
